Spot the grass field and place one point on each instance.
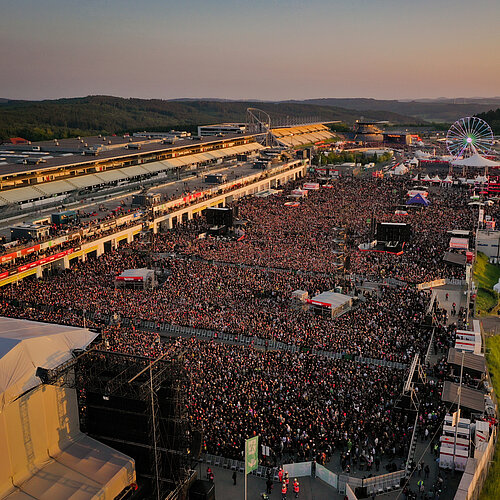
(491, 489)
(486, 275)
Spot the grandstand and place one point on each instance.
(299, 136)
(65, 175)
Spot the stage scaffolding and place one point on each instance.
(136, 405)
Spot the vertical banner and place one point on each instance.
(251, 454)
(481, 214)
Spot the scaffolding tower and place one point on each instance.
(135, 404)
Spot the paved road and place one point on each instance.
(456, 295)
(310, 489)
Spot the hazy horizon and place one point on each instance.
(266, 49)
(252, 99)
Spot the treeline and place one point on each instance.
(347, 157)
(62, 118)
(492, 118)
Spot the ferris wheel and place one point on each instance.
(468, 136)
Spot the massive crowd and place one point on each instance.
(302, 405)
(250, 301)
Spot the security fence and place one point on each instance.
(166, 329)
(378, 484)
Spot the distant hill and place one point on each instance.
(61, 118)
(438, 110)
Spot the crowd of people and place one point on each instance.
(302, 405)
(332, 222)
(249, 301)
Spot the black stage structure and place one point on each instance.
(136, 405)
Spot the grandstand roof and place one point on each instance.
(27, 193)
(116, 153)
(306, 134)
(27, 345)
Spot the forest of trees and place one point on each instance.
(492, 118)
(350, 157)
(62, 118)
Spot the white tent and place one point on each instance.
(476, 160)
(427, 178)
(422, 154)
(44, 455)
(27, 345)
(413, 192)
(415, 178)
(481, 179)
(400, 170)
(448, 180)
(436, 179)
(334, 301)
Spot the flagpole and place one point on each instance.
(245, 468)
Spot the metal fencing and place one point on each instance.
(257, 342)
(378, 484)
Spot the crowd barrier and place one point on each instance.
(168, 329)
(258, 342)
(413, 446)
(327, 476)
(377, 484)
(238, 466)
(429, 348)
(381, 362)
(376, 279)
(374, 485)
(298, 469)
(383, 483)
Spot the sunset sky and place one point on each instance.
(260, 49)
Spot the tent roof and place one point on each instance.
(455, 258)
(331, 299)
(459, 243)
(470, 398)
(136, 273)
(26, 345)
(476, 160)
(471, 361)
(418, 199)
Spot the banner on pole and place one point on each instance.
(251, 454)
